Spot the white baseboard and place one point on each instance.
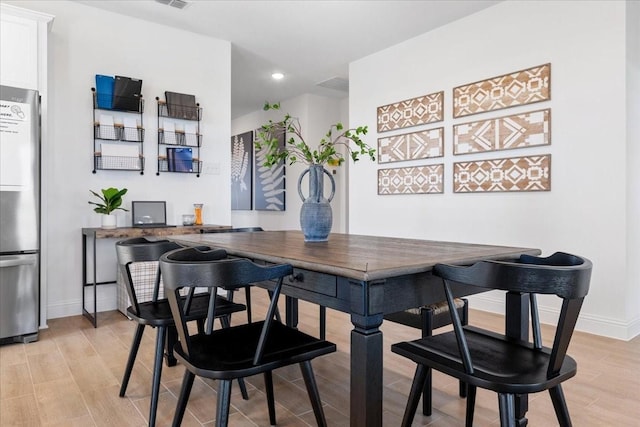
(597, 325)
(106, 301)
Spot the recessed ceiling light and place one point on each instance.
(277, 76)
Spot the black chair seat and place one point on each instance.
(501, 365)
(159, 313)
(234, 359)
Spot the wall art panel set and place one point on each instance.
(531, 173)
(509, 90)
(411, 112)
(503, 133)
(521, 130)
(411, 146)
(412, 180)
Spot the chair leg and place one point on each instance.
(271, 403)
(462, 392)
(226, 323)
(224, 400)
(427, 394)
(185, 391)
(323, 322)
(243, 389)
(507, 404)
(157, 372)
(417, 386)
(426, 315)
(247, 297)
(471, 404)
(172, 339)
(560, 406)
(314, 394)
(137, 337)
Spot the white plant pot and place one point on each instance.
(109, 221)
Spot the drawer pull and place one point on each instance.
(296, 277)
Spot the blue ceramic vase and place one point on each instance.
(316, 217)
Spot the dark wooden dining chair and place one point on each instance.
(148, 309)
(247, 290)
(242, 350)
(492, 361)
(426, 319)
(322, 309)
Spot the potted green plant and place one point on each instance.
(316, 217)
(110, 200)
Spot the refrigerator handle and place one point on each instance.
(17, 261)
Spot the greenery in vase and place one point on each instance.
(296, 148)
(111, 199)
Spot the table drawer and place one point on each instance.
(321, 283)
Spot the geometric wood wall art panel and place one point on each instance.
(503, 133)
(532, 173)
(518, 88)
(411, 112)
(414, 180)
(411, 146)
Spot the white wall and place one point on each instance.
(86, 41)
(586, 212)
(633, 162)
(316, 114)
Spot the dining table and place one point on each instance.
(367, 277)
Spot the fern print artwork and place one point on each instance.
(241, 171)
(269, 187)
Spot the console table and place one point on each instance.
(123, 233)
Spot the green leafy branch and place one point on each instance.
(296, 149)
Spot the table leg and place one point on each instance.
(517, 326)
(366, 372)
(367, 301)
(95, 284)
(84, 269)
(92, 317)
(291, 315)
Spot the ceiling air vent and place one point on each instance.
(336, 83)
(178, 4)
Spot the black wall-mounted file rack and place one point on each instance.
(118, 138)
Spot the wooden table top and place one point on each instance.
(353, 256)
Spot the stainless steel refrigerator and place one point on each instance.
(19, 214)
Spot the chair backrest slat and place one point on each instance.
(275, 294)
(457, 327)
(566, 324)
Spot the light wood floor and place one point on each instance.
(72, 375)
